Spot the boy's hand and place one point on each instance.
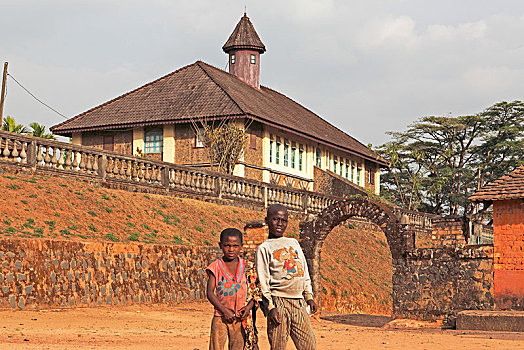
(312, 306)
(274, 316)
(243, 313)
(229, 315)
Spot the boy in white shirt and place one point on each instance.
(285, 283)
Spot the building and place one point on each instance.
(286, 142)
(507, 196)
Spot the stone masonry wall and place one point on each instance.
(508, 241)
(448, 232)
(327, 182)
(38, 273)
(438, 282)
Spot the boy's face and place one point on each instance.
(230, 246)
(277, 222)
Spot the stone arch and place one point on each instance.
(314, 231)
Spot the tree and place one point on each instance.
(224, 142)
(9, 124)
(39, 131)
(439, 161)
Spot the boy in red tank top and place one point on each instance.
(227, 291)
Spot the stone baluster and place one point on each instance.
(23, 154)
(123, 167)
(147, 174)
(68, 155)
(54, 159)
(134, 171)
(39, 156)
(141, 172)
(129, 167)
(82, 164)
(159, 175)
(95, 164)
(116, 169)
(47, 157)
(6, 153)
(89, 164)
(14, 152)
(60, 156)
(153, 173)
(76, 160)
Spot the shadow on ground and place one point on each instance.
(361, 320)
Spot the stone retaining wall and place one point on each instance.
(39, 273)
(438, 282)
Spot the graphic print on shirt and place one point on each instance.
(292, 265)
(226, 287)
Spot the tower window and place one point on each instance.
(300, 156)
(233, 58)
(277, 151)
(271, 148)
(253, 59)
(286, 152)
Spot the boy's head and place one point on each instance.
(230, 243)
(276, 220)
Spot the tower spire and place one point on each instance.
(244, 48)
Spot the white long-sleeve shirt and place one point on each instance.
(282, 270)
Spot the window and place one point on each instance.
(293, 150)
(253, 59)
(233, 58)
(358, 173)
(300, 157)
(286, 153)
(277, 151)
(199, 137)
(335, 163)
(154, 142)
(341, 165)
(353, 171)
(347, 169)
(270, 148)
(371, 179)
(318, 157)
(109, 143)
(328, 160)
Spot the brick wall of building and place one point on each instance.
(508, 242)
(122, 140)
(186, 151)
(39, 273)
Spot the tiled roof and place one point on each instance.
(244, 36)
(510, 186)
(200, 90)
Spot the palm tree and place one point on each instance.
(39, 131)
(9, 124)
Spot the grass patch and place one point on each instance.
(130, 224)
(206, 242)
(92, 213)
(32, 196)
(10, 177)
(178, 239)
(106, 197)
(199, 228)
(65, 232)
(112, 237)
(13, 187)
(169, 219)
(10, 230)
(93, 227)
(109, 210)
(146, 227)
(134, 237)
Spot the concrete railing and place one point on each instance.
(110, 167)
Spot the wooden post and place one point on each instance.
(2, 101)
(31, 154)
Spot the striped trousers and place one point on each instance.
(294, 322)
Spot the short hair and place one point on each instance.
(275, 207)
(231, 232)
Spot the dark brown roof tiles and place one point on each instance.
(201, 90)
(510, 186)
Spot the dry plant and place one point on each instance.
(223, 142)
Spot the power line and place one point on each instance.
(36, 98)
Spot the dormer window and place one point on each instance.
(233, 58)
(253, 59)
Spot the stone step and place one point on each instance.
(508, 321)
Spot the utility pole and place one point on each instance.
(4, 81)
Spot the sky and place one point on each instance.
(368, 67)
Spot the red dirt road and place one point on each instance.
(187, 327)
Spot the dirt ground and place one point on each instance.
(187, 327)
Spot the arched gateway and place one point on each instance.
(313, 232)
